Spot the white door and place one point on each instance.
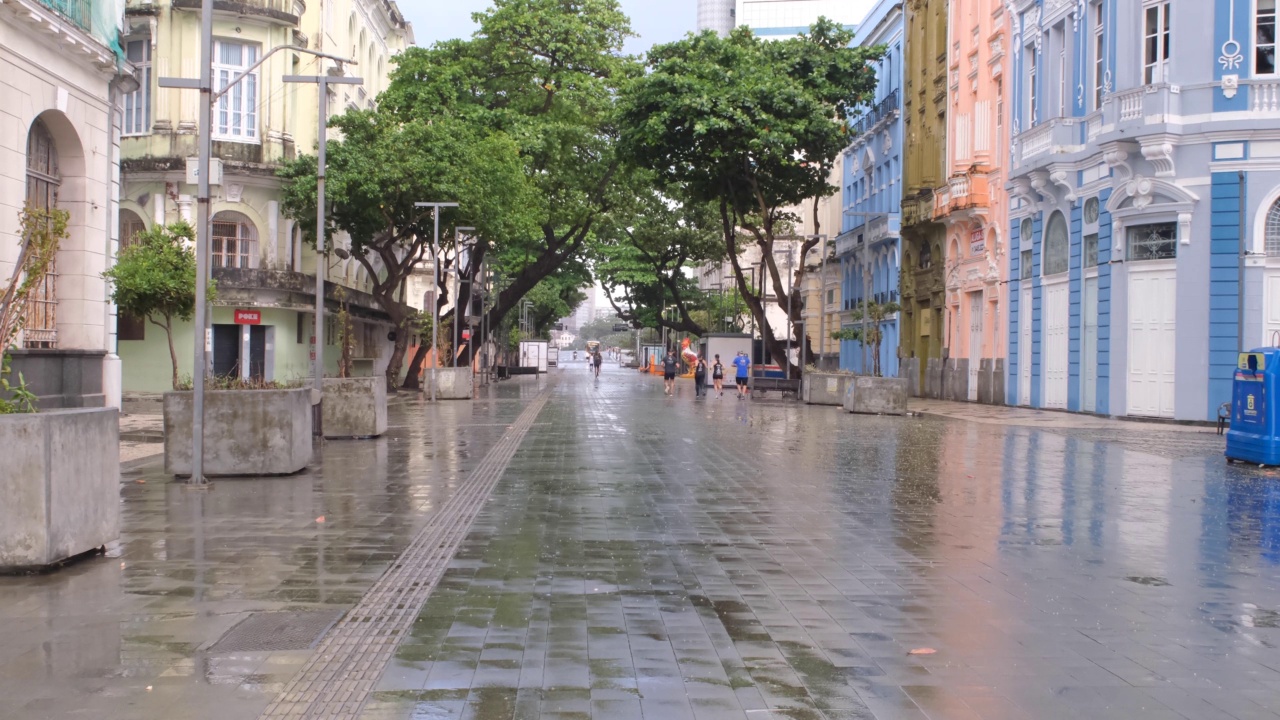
(1089, 345)
(1057, 323)
(1271, 317)
(1152, 334)
(975, 343)
(1024, 346)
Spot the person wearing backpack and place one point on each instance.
(717, 376)
(700, 378)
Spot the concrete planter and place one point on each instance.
(246, 432)
(355, 407)
(877, 396)
(454, 383)
(59, 486)
(824, 388)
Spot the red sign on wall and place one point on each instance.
(248, 317)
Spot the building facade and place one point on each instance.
(871, 194)
(61, 79)
(1145, 179)
(259, 258)
(971, 205)
(717, 15)
(788, 18)
(924, 110)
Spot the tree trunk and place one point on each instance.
(173, 354)
(396, 362)
(411, 381)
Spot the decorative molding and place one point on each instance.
(1230, 86)
(1062, 180)
(1118, 161)
(1184, 228)
(1231, 57)
(1117, 233)
(1160, 155)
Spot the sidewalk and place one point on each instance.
(1047, 419)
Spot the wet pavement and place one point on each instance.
(664, 558)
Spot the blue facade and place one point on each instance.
(1157, 148)
(871, 192)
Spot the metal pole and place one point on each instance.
(203, 334)
(435, 305)
(822, 306)
(317, 411)
(791, 303)
(1244, 251)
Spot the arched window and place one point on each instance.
(1056, 245)
(234, 241)
(130, 227)
(43, 181)
(1273, 230)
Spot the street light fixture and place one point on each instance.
(435, 271)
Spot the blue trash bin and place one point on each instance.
(1255, 431)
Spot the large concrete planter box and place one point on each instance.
(453, 383)
(246, 432)
(59, 485)
(824, 388)
(355, 407)
(877, 396)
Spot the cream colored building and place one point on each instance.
(259, 259)
(59, 78)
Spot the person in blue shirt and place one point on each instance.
(743, 363)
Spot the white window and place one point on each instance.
(1155, 44)
(234, 241)
(1099, 56)
(1153, 242)
(1032, 86)
(236, 117)
(1273, 231)
(137, 104)
(1060, 37)
(1057, 246)
(1264, 57)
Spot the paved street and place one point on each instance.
(641, 556)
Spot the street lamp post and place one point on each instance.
(204, 153)
(435, 272)
(322, 83)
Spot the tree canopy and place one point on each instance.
(752, 127)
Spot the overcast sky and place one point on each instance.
(655, 21)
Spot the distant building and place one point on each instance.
(871, 191)
(716, 15)
(788, 18)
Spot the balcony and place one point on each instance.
(285, 12)
(918, 209)
(962, 192)
(79, 12)
(873, 116)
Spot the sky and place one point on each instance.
(655, 21)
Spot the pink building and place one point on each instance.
(973, 205)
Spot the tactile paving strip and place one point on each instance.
(337, 679)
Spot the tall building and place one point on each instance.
(924, 110)
(1144, 187)
(871, 192)
(716, 15)
(971, 206)
(787, 18)
(259, 259)
(61, 80)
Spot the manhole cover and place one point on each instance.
(273, 631)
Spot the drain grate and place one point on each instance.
(274, 631)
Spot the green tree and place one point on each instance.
(753, 127)
(545, 73)
(644, 248)
(876, 314)
(155, 279)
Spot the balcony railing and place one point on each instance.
(285, 11)
(79, 12)
(961, 192)
(1129, 103)
(877, 113)
(1036, 141)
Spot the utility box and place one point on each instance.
(533, 354)
(1255, 433)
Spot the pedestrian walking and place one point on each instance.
(743, 364)
(670, 366)
(717, 375)
(597, 360)
(700, 377)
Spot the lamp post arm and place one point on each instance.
(218, 95)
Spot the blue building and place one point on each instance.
(871, 192)
(1144, 181)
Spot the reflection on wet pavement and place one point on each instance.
(667, 558)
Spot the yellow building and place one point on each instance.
(924, 106)
(258, 257)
